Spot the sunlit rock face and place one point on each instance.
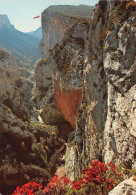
(53, 29)
(98, 56)
(128, 186)
(56, 20)
(64, 68)
(94, 56)
(120, 69)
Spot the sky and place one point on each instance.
(21, 12)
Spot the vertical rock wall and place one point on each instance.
(99, 57)
(120, 69)
(53, 29)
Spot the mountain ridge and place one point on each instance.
(23, 46)
(36, 33)
(4, 20)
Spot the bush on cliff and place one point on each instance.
(123, 10)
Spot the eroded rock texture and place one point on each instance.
(28, 149)
(28, 153)
(120, 69)
(98, 56)
(15, 85)
(56, 20)
(126, 187)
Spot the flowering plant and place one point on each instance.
(58, 185)
(99, 178)
(28, 189)
(96, 174)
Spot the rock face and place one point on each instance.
(100, 57)
(24, 149)
(95, 57)
(120, 69)
(55, 22)
(15, 89)
(65, 63)
(53, 31)
(126, 187)
(28, 149)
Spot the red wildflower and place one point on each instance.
(112, 166)
(57, 184)
(76, 185)
(28, 189)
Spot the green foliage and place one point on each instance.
(90, 189)
(128, 172)
(124, 173)
(80, 19)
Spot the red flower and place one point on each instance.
(76, 185)
(28, 189)
(96, 174)
(57, 184)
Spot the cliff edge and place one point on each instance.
(99, 56)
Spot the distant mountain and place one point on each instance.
(22, 45)
(4, 21)
(36, 33)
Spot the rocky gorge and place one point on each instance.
(85, 94)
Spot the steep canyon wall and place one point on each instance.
(98, 56)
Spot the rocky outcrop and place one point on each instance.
(111, 92)
(55, 22)
(65, 64)
(15, 86)
(98, 56)
(126, 187)
(95, 58)
(26, 150)
(26, 146)
(120, 69)
(53, 30)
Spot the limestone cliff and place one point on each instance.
(55, 22)
(128, 186)
(85, 92)
(99, 56)
(28, 152)
(28, 149)
(15, 85)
